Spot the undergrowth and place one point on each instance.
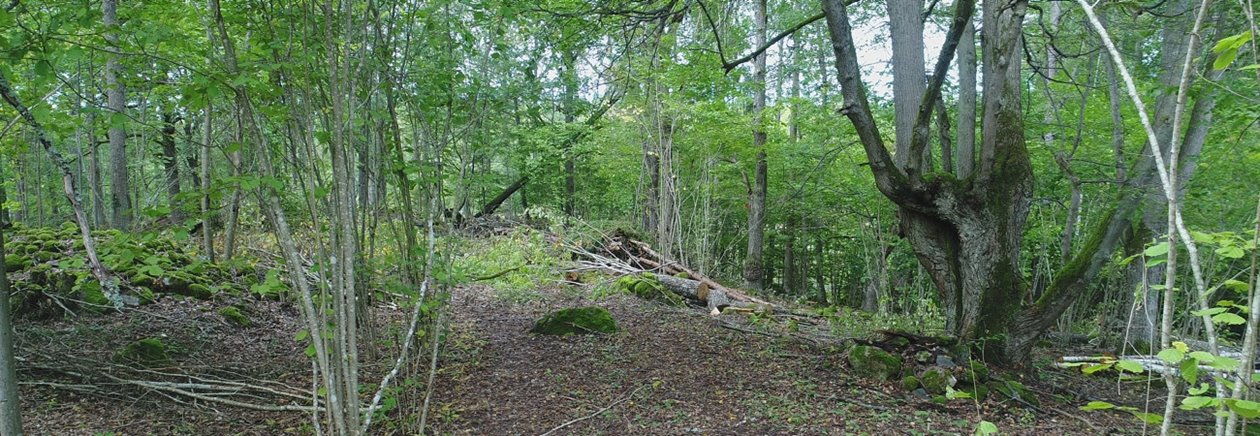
(513, 264)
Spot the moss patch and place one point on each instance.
(233, 316)
(576, 321)
(148, 352)
(935, 380)
(874, 363)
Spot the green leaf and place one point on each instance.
(1203, 357)
(1244, 408)
(1237, 286)
(1195, 402)
(1228, 318)
(985, 428)
(1129, 365)
(1149, 418)
(1171, 355)
(1189, 370)
(1224, 58)
(1098, 405)
(1095, 368)
(1230, 252)
(1225, 363)
(1209, 312)
(1157, 250)
(301, 335)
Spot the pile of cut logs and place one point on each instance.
(621, 254)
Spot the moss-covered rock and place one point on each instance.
(874, 363)
(16, 262)
(233, 316)
(576, 321)
(148, 352)
(935, 380)
(974, 372)
(980, 391)
(910, 382)
(1014, 390)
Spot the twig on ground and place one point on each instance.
(597, 412)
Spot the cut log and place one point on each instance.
(714, 299)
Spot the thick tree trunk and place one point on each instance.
(120, 186)
(966, 102)
(965, 233)
(10, 408)
(905, 23)
(754, 274)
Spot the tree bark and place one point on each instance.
(753, 269)
(966, 101)
(906, 28)
(966, 234)
(120, 186)
(10, 407)
(207, 229)
(170, 160)
(94, 174)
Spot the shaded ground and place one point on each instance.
(675, 371)
(670, 371)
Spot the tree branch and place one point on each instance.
(919, 137)
(728, 66)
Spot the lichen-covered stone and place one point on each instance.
(148, 352)
(576, 321)
(233, 315)
(874, 363)
(936, 379)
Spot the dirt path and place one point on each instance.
(673, 371)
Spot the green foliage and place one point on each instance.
(528, 257)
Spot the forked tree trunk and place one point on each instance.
(966, 233)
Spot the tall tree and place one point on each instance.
(754, 268)
(10, 408)
(967, 233)
(115, 92)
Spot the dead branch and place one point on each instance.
(597, 412)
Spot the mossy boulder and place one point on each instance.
(979, 392)
(974, 372)
(935, 380)
(233, 315)
(1014, 390)
(148, 352)
(910, 383)
(16, 262)
(874, 363)
(577, 320)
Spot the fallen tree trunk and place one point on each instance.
(640, 254)
(714, 299)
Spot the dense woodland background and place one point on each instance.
(332, 153)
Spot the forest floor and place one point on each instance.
(668, 371)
